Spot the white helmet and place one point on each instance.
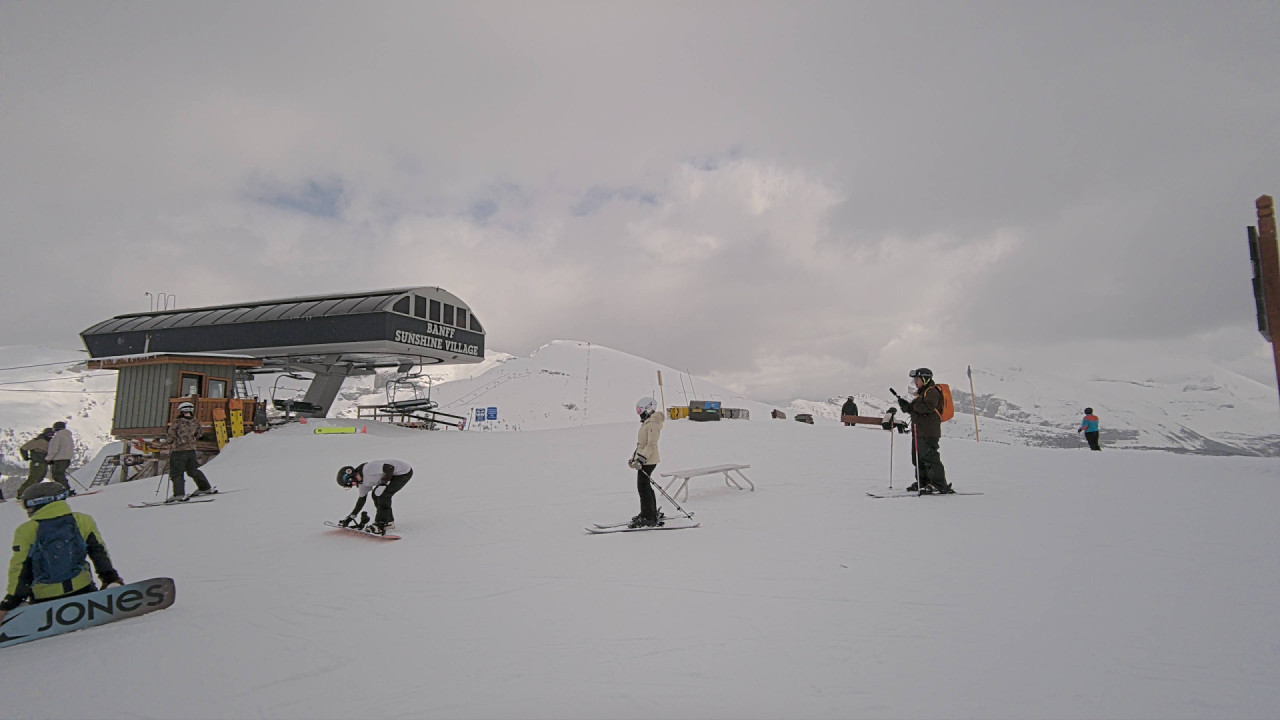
(186, 407)
(646, 406)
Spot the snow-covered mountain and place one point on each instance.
(40, 386)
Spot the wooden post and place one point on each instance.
(1269, 275)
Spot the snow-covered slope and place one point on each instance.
(1091, 585)
(570, 384)
(566, 384)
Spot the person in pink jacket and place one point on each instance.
(645, 459)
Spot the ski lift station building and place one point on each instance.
(331, 336)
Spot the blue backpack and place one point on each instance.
(59, 552)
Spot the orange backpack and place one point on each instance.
(948, 409)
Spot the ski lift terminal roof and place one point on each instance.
(400, 327)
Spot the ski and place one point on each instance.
(669, 524)
(624, 523)
(64, 615)
(360, 531)
(201, 499)
(916, 494)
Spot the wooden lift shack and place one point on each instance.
(150, 387)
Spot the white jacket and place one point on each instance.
(61, 447)
(647, 442)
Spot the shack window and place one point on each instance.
(190, 384)
(402, 305)
(475, 324)
(448, 314)
(435, 311)
(462, 318)
(419, 306)
(217, 388)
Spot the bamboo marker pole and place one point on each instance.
(973, 400)
(662, 393)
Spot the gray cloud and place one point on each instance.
(790, 198)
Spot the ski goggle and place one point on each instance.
(37, 502)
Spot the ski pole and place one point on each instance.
(890, 456)
(915, 458)
(665, 495)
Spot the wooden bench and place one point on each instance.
(680, 478)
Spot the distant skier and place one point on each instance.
(926, 427)
(50, 551)
(848, 411)
(62, 447)
(181, 438)
(382, 478)
(35, 451)
(1089, 426)
(645, 459)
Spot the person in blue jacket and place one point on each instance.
(1089, 426)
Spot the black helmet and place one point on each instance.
(1088, 411)
(59, 425)
(347, 476)
(924, 373)
(42, 493)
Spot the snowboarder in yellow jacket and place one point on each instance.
(52, 550)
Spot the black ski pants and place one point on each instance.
(929, 461)
(648, 501)
(184, 462)
(382, 497)
(1092, 437)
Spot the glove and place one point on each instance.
(346, 521)
(904, 404)
(634, 464)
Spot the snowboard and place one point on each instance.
(358, 531)
(55, 617)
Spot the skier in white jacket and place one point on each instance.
(62, 448)
(645, 459)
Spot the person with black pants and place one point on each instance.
(381, 478)
(926, 433)
(645, 459)
(182, 438)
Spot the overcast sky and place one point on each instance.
(793, 199)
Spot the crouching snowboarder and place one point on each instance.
(51, 551)
(383, 478)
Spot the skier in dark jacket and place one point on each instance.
(382, 479)
(848, 411)
(1089, 426)
(181, 438)
(926, 428)
(39, 576)
(35, 451)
